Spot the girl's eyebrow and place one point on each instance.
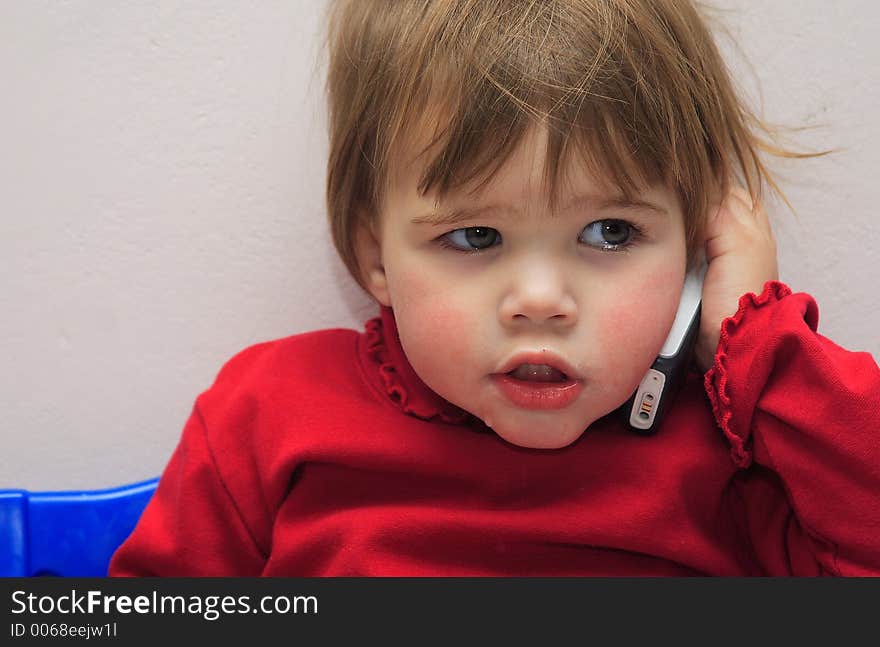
(580, 202)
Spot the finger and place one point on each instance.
(751, 211)
(741, 192)
(722, 215)
(714, 219)
(742, 199)
(759, 215)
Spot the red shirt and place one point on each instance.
(324, 454)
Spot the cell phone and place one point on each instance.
(643, 413)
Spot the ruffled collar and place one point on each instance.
(398, 379)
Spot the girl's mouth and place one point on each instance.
(537, 394)
(538, 373)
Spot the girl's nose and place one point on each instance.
(539, 295)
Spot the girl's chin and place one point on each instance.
(536, 439)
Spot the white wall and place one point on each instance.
(161, 187)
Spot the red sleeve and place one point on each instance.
(192, 527)
(802, 415)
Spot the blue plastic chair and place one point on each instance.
(67, 534)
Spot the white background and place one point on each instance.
(162, 195)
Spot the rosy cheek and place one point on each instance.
(435, 333)
(632, 332)
(439, 321)
(622, 342)
(619, 327)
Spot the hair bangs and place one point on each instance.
(477, 113)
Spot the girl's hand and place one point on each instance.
(741, 258)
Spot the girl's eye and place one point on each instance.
(605, 235)
(613, 235)
(479, 237)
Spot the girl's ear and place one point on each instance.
(368, 248)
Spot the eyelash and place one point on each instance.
(635, 238)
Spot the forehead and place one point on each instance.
(520, 165)
(525, 177)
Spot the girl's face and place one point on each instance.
(511, 276)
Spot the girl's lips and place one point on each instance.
(537, 395)
(543, 356)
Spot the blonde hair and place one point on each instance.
(635, 88)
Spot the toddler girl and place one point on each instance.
(522, 187)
